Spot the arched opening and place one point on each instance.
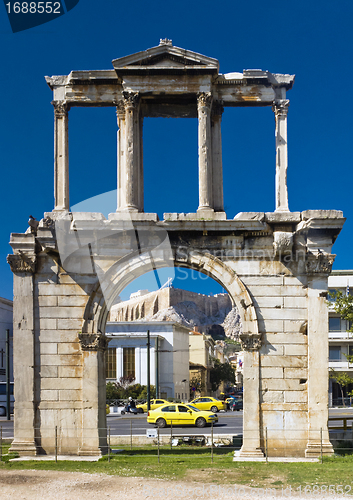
(194, 333)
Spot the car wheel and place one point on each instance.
(139, 410)
(122, 412)
(200, 422)
(214, 409)
(2, 411)
(161, 422)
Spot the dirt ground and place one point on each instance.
(57, 485)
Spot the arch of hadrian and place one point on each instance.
(68, 271)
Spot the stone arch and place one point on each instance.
(123, 272)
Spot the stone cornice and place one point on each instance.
(93, 341)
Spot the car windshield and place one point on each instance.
(193, 408)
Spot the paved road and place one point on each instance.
(228, 423)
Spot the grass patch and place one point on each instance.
(194, 464)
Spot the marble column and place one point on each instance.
(280, 108)
(121, 155)
(132, 152)
(251, 384)
(61, 156)
(204, 103)
(94, 426)
(217, 167)
(318, 267)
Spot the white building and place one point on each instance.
(127, 355)
(340, 340)
(6, 323)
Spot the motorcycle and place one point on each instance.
(134, 411)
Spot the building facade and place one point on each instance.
(169, 355)
(340, 339)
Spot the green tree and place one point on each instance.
(221, 372)
(343, 380)
(343, 306)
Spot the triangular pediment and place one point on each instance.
(166, 56)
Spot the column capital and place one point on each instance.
(93, 341)
(22, 263)
(61, 108)
(131, 100)
(204, 99)
(319, 263)
(280, 107)
(250, 342)
(120, 109)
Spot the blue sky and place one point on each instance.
(310, 39)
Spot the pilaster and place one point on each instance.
(94, 427)
(251, 384)
(23, 268)
(280, 108)
(318, 267)
(61, 156)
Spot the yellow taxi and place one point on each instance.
(208, 403)
(180, 414)
(154, 403)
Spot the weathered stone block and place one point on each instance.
(61, 312)
(271, 372)
(297, 302)
(62, 289)
(57, 360)
(48, 371)
(284, 361)
(69, 348)
(69, 324)
(273, 397)
(49, 395)
(285, 339)
(61, 384)
(272, 349)
(70, 395)
(48, 348)
(67, 301)
(295, 397)
(47, 324)
(70, 371)
(295, 349)
(47, 300)
(301, 373)
(283, 385)
(58, 336)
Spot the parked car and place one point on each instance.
(231, 400)
(3, 406)
(236, 405)
(154, 404)
(180, 414)
(210, 404)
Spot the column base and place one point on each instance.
(251, 452)
(282, 209)
(313, 450)
(24, 448)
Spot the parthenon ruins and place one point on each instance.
(69, 271)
